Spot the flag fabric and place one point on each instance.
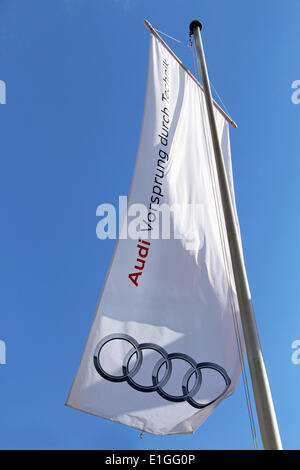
(162, 352)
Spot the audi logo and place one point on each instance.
(166, 360)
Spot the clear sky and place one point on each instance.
(75, 74)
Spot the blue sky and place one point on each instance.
(75, 72)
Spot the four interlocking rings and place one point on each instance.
(166, 361)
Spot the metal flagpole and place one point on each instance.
(262, 394)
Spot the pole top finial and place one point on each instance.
(194, 24)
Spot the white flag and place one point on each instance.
(162, 352)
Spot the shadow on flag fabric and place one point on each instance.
(162, 352)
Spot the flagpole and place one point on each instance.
(262, 394)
